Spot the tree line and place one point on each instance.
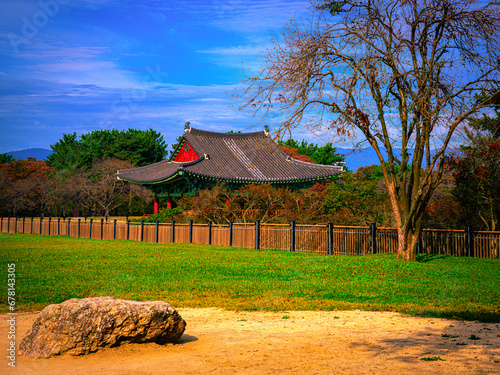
(77, 181)
(79, 176)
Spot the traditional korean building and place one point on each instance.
(203, 158)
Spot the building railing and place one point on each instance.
(320, 239)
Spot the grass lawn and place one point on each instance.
(53, 269)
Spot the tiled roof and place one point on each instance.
(243, 158)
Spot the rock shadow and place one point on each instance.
(186, 339)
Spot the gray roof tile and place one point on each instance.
(244, 157)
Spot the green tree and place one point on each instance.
(476, 169)
(401, 74)
(6, 158)
(477, 181)
(326, 155)
(66, 153)
(356, 201)
(370, 173)
(140, 147)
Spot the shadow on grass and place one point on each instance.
(425, 258)
(454, 344)
(484, 317)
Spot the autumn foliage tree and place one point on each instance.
(262, 202)
(85, 181)
(25, 187)
(476, 170)
(402, 75)
(477, 182)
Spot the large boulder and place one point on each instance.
(81, 326)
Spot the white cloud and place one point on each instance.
(80, 65)
(248, 57)
(238, 50)
(259, 16)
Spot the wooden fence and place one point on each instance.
(320, 239)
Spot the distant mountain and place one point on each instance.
(38, 153)
(355, 158)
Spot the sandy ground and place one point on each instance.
(339, 342)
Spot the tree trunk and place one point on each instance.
(407, 244)
(408, 230)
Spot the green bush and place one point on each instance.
(163, 216)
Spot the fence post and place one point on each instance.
(50, 219)
(469, 240)
(373, 235)
(419, 244)
(58, 226)
(230, 233)
(90, 229)
(8, 224)
(114, 229)
(102, 228)
(209, 232)
(257, 234)
(79, 220)
(41, 219)
(173, 231)
(69, 226)
(191, 231)
(15, 225)
(157, 229)
(1, 223)
(142, 230)
(24, 219)
(128, 228)
(31, 226)
(292, 236)
(330, 238)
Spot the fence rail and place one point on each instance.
(319, 239)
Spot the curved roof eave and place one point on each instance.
(260, 181)
(158, 177)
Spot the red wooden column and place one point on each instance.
(169, 201)
(156, 205)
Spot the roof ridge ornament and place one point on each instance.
(187, 127)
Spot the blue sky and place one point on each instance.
(75, 66)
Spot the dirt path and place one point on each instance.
(340, 342)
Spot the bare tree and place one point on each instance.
(400, 74)
(102, 192)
